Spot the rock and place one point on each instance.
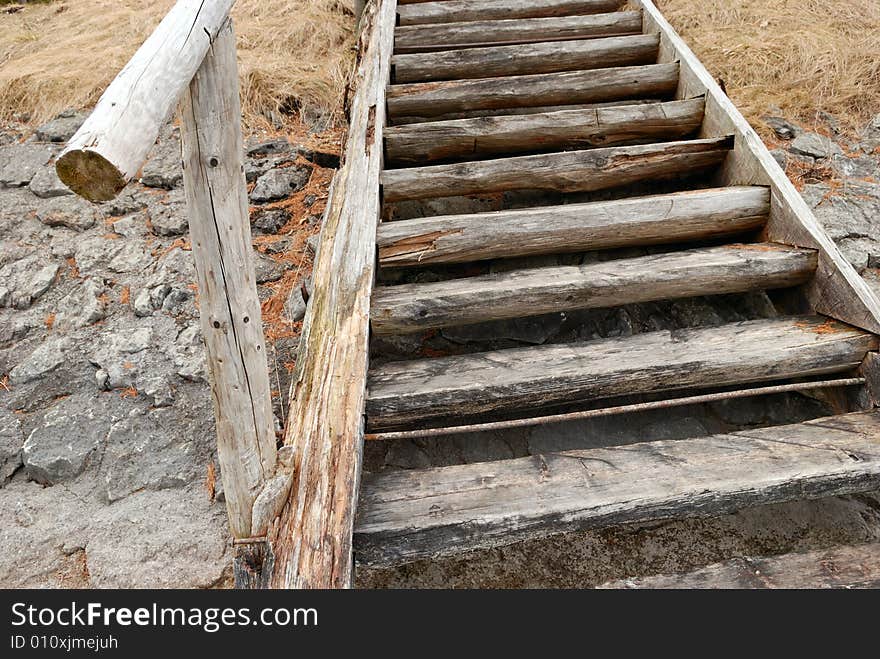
(312, 243)
(815, 146)
(46, 184)
(295, 307)
(163, 168)
(268, 147)
(19, 163)
(142, 304)
(158, 295)
(11, 441)
(784, 130)
(188, 354)
(280, 183)
(131, 226)
(168, 217)
(94, 254)
(267, 269)
(45, 359)
(862, 167)
(60, 446)
(320, 158)
(279, 246)
(127, 341)
(125, 204)
(271, 220)
(535, 330)
(62, 127)
(132, 258)
(309, 200)
(780, 156)
(71, 212)
(23, 282)
(175, 302)
(82, 307)
(849, 215)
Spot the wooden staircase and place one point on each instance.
(515, 136)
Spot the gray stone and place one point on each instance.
(46, 184)
(11, 441)
(279, 246)
(82, 307)
(94, 253)
(188, 355)
(142, 304)
(158, 295)
(23, 282)
(62, 128)
(280, 183)
(267, 269)
(862, 167)
(169, 219)
(163, 167)
(535, 330)
(846, 216)
(295, 307)
(815, 146)
(176, 300)
(20, 162)
(268, 147)
(271, 220)
(133, 258)
(71, 212)
(312, 243)
(784, 130)
(45, 359)
(780, 156)
(131, 226)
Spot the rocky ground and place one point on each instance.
(108, 471)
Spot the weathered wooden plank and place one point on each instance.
(217, 209)
(737, 268)
(431, 99)
(469, 138)
(112, 145)
(839, 567)
(404, 393)
(526, 59)
(452, 11)
(444, 36)
(312, 539)
(838, 291)
(657, 219)
(408, 515)
(571, 171)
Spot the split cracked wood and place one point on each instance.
(229, 309)
(574, 171)
(607, 126)
(410, 515)
(410, 308)
(521, 379)
(451, 11)
(678, 217)
(431, 99)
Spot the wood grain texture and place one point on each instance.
(651, 220)
(526, 59)
(738, 268)
(431, 99)
(217, 208)
(403, 394)
(417, 144)
(408, 515)
(111, 146)
(846, 566)
(572, 171)
(452, 11)
(444, 36)
(312, 538)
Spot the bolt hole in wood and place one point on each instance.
(213, 162)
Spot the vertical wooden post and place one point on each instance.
(217, 205)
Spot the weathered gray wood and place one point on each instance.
(405, 393)
(423, 38)
(217, 208)
(408, 515)
(312, 538)
(467, 138)
(839, 567)
(112, 145)
(410, 308)
(652, 220)
(838, 291)
(452, 11)
(525, 59)
(572, 171)
(431, 99)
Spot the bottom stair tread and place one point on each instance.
(410, 515)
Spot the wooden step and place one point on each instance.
(403, 394)
(847, 566)
(652, 220)
(410, 515)
(738, 268)
(525, 59)
(571, 171)
(451, 11)
(567, 129)
(427, 99)
(444, 36)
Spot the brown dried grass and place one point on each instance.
(294, 55)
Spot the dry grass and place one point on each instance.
(803, 56)
(294, 55)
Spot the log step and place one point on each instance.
(451, 11)
(401, 394)
(431, 99)
(547, 57)
(410, 515)
(739, 268)
(847, 566)
(573, 171)
(652, 220)
(470, 139)
(445, 36)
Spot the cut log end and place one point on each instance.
(90, 175)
